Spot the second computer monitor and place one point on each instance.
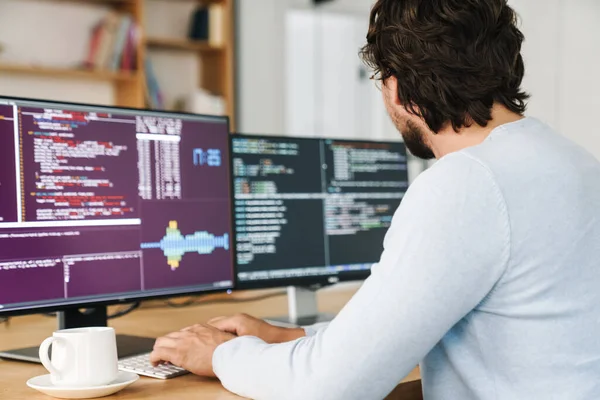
(312, 211)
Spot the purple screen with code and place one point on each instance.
(99, 204)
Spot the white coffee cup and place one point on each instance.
(81, 357)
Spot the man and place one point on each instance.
(490, 275)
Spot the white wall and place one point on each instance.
(261, 60)
(540, 25)
(579, 66)
(359, 7)
(325, 94)
(562, 56)
(260, 63)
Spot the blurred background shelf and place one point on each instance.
(192, 1)
(182, 45)
(108, 2)
(69, 73)
(163, 57)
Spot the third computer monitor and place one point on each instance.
(312, 211)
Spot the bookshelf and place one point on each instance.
(68, 73)
(110, 2)
(217, 62)
(182, 45)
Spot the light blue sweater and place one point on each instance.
(490, 279)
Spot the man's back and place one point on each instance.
(535, 336)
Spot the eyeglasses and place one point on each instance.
(377, 77)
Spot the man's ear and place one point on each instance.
(390, 91)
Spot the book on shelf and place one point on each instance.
(216, 14)
(207, 24)
(153, 93)
(113, 44)
(129, 58)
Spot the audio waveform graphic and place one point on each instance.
(175, 245)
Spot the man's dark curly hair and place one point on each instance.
(452, 58)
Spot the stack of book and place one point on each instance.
(113, 44)
(207, 24)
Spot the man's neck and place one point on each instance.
(448, 141)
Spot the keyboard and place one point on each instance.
(141, 365)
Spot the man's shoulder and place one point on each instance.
(458, 177)
(461, 165)
(529, 154)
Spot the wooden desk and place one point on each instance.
(153, 322)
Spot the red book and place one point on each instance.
(126, 56)
(93, 48)
(129, 53)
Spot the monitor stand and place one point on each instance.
(75, 318)
(302, 309)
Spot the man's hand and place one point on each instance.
(191, 348)
(245, 325)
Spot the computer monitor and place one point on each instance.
(103, 205)
(310, 212)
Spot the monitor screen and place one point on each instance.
(312, 211)
(102, 204)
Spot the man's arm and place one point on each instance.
(247, 325)
(448, 246)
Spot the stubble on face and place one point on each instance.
(414, 136)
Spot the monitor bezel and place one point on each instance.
(312, 282)
(131, 297)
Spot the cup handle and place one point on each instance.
(45, 359)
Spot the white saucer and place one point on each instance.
(45, 385)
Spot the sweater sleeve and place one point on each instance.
(448, 245)
(312, 330)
